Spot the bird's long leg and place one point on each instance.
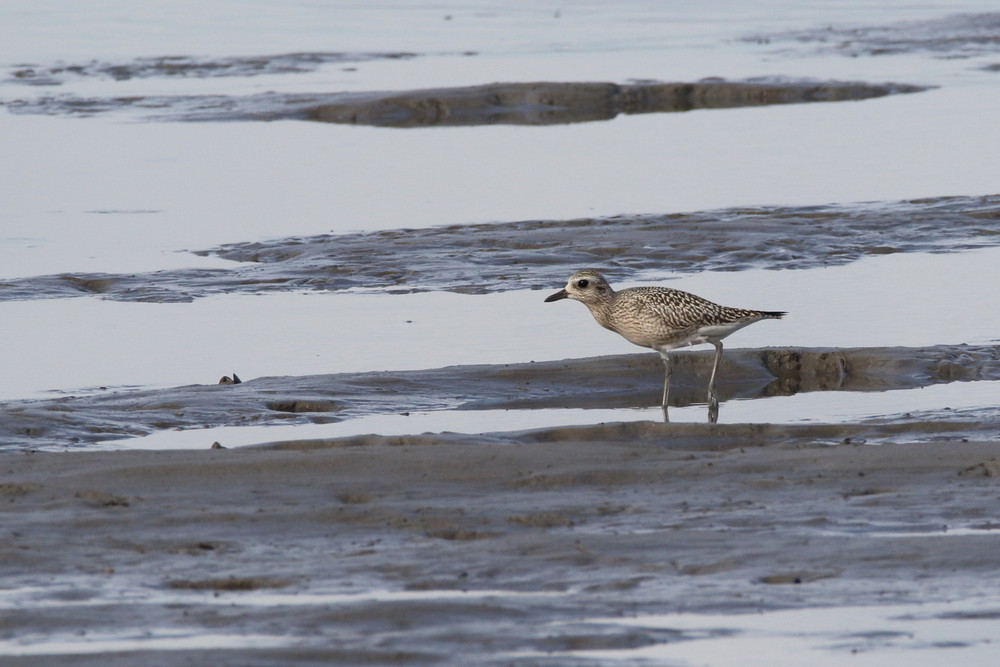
(713, 399)
(667, 370)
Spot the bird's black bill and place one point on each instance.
(561, 294)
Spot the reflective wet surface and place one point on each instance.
(424, 460)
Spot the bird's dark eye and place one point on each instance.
(582, 284)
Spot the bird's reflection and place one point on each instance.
(713, 413)
(713, 396)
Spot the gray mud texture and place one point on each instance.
(514, 548)
(190, 67)
(560, 103)
(512, 553)
(956, 36)
(603, 382)
(517, 103)
(536, 254)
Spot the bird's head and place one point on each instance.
(587, 286)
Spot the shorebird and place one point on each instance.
(661, 318)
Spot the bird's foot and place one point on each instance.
(713, 407)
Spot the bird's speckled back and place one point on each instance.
(658, 317)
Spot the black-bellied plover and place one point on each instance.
(661, 318)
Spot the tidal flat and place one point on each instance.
(358, 211)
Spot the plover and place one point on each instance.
(661, 318)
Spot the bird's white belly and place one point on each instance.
(720, 331)
(704, 334)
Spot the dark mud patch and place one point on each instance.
(540, 254)
(534, 103)
(228, 584)
(561, 103)
(190, 67)
(601, 382)
(957, 36)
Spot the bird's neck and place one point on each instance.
(601, 310)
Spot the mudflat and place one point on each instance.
(517, 547)
(620, 381)
(503, 548)
(534, 254)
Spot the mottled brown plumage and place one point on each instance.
(660, 318)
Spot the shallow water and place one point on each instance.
(148, 639)
(921, 634)
(924, 634)
(904, 299)
(960, 400)
(132, 194)
(116, 213)
(75, 592)
(123, 192)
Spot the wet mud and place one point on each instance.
(560, 103)
(495, 257)
(635, 380)
(520, 552)
(956, 36)
(516, 103)
(190, 67)
(505, 548)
